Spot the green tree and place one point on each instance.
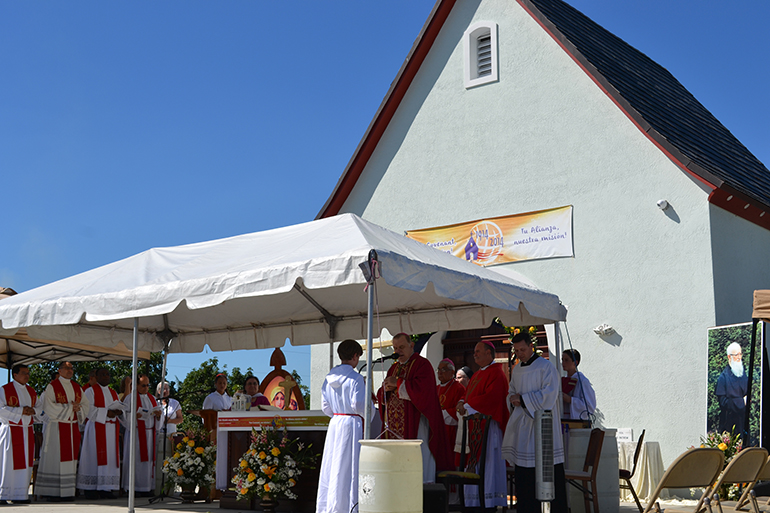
(41, 374)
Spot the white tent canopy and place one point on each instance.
(254, 291)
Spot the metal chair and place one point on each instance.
(745, 467)
(748, 493)
(581, 479)
(472, 471)
(696, 468)
(625, 475)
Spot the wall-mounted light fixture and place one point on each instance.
(662, 204)
(604, 330)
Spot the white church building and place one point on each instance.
(512, 106)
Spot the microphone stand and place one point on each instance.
(162, 495)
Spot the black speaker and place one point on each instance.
(434, 498)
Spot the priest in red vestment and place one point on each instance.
(486, 394)
(410, 409)
(450, 392)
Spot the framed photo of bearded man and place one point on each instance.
(728, 361)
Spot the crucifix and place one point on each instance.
(287, 385)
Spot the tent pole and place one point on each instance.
(746, 426)
(369, 354)
(132, 428)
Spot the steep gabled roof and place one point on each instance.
(661, 107)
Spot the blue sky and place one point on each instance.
(131, 125)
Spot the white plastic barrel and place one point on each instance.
(390, 476)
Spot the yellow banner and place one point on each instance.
(499, 240)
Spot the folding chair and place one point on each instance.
(581, 479)
(472, 472)
(748, 493)
(696, 468)
(745, 467)
(625, 475)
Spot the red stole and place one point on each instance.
(142, 436)
(404, 416)
(69, 433)
(100, 430)
(17, 429)
(448, 396)
(487, 393)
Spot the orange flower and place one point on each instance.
(270, 471)
(267, 487)
(244, 491)
(179, 472)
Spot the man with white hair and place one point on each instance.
(731, 390)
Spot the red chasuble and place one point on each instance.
(487, 392)
(17, 429)
(69, 433)
(100, 430)
(448, 396)
(403, 416)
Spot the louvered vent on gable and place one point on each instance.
(480, 45)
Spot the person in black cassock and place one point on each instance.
(731, 389)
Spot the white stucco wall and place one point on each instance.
(546, 136)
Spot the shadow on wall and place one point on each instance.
(614, 340)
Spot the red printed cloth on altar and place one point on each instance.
(100, 429)
(487, 393)
(69, 433)
(403, 416)
(17, 428)
(143, 452)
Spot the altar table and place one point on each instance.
(233, 432)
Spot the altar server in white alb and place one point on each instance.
(218, 399)
(17, 439)
(99, 469)
(343, 398)
(535, 385)
(147, 414)
(66, 408)
(577, 392)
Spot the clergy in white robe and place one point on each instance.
(147, 414)
(343, 398)
(170, 416)
(17, 439)
(577, 392)
(66, 408)
(218, 399)
(99, 468)
(535, 385)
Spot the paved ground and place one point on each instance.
(172, 505)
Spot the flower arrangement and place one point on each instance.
(192, 464)
(730, 444)
(272, 465)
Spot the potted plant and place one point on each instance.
(192, 465)
(270, 468)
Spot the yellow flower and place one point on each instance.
(178, 446)
(199, 450)
(722, 446)
(267, 488)
(176, 455)
(262, 455)
(165, 463)
(292, 482)
(185, 439)
(179, 472)
(244, 464)
(251, 477)
(191, 443)
(244, 491)
(276, 451)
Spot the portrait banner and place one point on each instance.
(500, 240)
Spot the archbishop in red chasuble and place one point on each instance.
(410, 409)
